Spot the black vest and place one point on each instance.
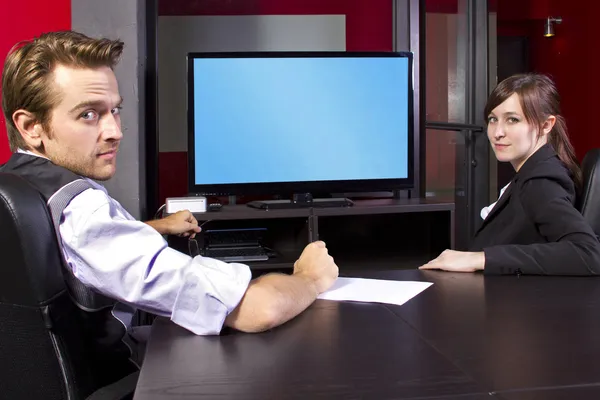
(109, 345)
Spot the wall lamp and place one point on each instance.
(549, 25)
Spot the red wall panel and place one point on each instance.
(368, 23)
(24, 20)
(569, 57)
(515, 10)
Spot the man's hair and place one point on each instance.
(28, 72)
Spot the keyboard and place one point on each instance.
(236, 254)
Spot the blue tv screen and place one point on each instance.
(299, 118)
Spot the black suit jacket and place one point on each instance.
(534, 228)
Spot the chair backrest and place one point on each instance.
(589, 200)
(42, 340)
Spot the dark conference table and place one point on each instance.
(467, 337)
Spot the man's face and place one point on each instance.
(85, 127)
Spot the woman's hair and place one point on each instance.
(539, 100)
(28, 72)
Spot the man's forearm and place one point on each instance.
(272, 300)
(157, 224)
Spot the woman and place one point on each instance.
(534, 227)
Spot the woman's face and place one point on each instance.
(513, 139)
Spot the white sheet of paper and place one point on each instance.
(374, 290)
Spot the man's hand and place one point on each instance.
(316, 265)
(181, 223)
(457, 261)
(273, 299)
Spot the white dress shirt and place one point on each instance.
(129, 261)
(485, 211)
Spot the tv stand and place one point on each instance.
(372, 234)
(304, 200)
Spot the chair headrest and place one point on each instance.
(589, 200)
(31, 269)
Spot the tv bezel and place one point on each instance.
(286, 188)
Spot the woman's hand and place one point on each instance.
(457, 261)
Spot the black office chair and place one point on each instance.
(589, 201)
(43, 348)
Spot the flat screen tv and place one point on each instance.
(299, 122)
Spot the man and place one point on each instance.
(62, 107)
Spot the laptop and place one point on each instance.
(235, 245)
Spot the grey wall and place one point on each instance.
(179, 35)
(124, 20)
(401, 24)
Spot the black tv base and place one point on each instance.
(289, 204)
